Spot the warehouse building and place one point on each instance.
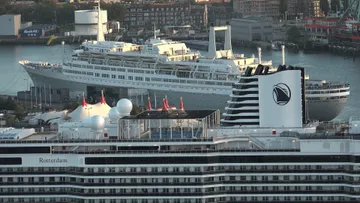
(248, 29)
(251, 29)
(10, 25)
(38, 31)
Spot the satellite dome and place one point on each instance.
(124, 106)
(114, 114)
(97, 123)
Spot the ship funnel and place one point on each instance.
(227, 45)
(100, 30)
(149, 104)
(212, 42)
(181, 104)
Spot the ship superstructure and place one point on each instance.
(186, 156)
(164, 67)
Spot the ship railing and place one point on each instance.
(64, 141)
(228, 150)
(327, 86)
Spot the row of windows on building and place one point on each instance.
(156, 14)
(184, 200)
(185, 169)
(159, 9)
(183, 190)
(242, 180)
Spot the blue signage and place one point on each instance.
(31, 33)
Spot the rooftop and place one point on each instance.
(41, 26)
(172, 114)
(15, 134)
(250, 19)
(10, 15)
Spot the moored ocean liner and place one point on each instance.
(163, 67)
(172, 155)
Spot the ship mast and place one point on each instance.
(100, 31)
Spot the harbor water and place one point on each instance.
(322, 66)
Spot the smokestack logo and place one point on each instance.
(281, 94)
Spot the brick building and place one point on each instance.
(140, 16)
(257, 8)
(270, 8)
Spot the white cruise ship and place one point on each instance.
(186, 156)
(169, 68)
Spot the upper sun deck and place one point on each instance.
(301, 143)
(323, 84)
(152, 46)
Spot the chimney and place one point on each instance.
(83, 102)
(149, 104)
(102, 101)
(181, 104)
(227, 44)
(164, 108)
(212, 42)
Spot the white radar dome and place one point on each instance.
(124, 106)
(114, 114)
(97, 123)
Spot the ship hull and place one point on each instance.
(323, 110)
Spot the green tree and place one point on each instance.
(324, 6)
(283, 6)
(44, 13)
(65, 14)
(7, 104)
(116, 11)
(10, 120)
(335, 5)
(293, 35)
(70, 106)
(19, 111)
(3, 5)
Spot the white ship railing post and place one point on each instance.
(283, 54)
(49, 94)
(63, 54)
(36, 103)
(259, 53)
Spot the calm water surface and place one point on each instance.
(322, 66)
